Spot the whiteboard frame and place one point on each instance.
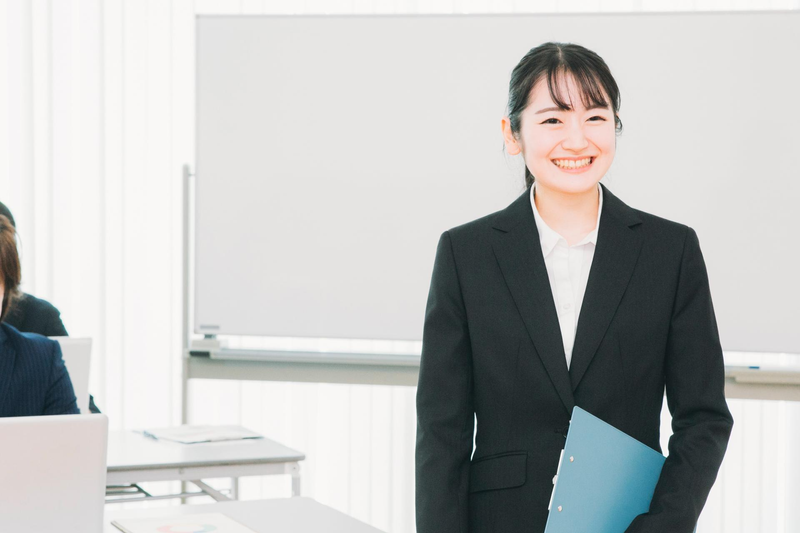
(694, 15)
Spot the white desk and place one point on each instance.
(134, 458)
(287, 515)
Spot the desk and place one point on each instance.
(134, 458)
(287, 515)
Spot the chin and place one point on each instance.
(576, 185)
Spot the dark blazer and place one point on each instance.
(33, 378)
(492, 348)
(31, 314)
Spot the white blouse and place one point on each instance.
(568, 270)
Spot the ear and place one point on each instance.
(512, 145)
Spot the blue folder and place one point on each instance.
(605, 479)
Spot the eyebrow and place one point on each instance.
(546, 109)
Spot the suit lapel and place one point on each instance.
(8, 356)
(618, 246)
(519, 254)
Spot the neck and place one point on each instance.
(568, 213)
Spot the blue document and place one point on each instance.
(605, 479)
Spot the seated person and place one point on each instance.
(33, 378)
(30, 314)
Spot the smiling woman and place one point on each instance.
(541, 94)
(564, 117)
(566, 273)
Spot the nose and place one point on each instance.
(575, 139)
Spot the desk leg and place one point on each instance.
(294, 470)
(235, 488)
(214, 493)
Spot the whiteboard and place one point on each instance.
(332, 151)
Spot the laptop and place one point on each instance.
(77, 356)
(53, 473)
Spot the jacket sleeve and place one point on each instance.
(695, 384)
(445, 415)
(60, 399)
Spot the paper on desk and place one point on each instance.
(197, 434)
(195, 523)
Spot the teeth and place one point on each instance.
(568, 163)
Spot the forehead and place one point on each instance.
(566, 91)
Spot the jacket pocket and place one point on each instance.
(502, 471)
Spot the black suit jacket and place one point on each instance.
(492, 349)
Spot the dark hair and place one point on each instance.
(7, 213)
(552, 60)
(10, 271)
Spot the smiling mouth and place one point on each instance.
(571, 164)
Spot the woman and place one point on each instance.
(566, 297)
(33, 378)
(30, 314)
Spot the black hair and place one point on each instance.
(552, 60)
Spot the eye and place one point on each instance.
(548, 121)
(598, 116)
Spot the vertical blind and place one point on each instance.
(96, 122)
